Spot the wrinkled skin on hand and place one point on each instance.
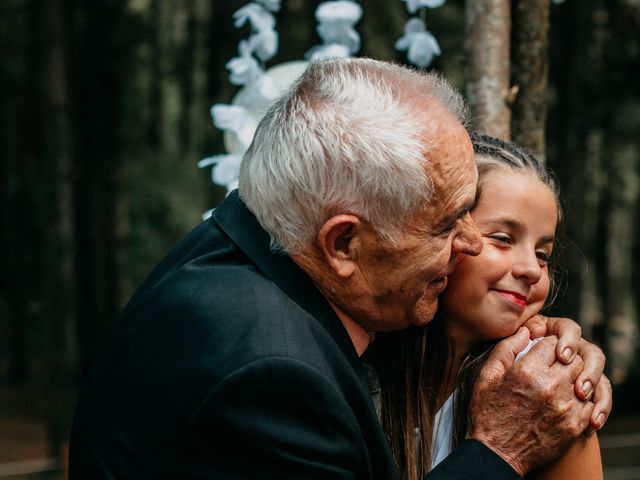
(527, 411)
(591, 384)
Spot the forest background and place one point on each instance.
(105, 113)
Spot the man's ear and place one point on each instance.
(338, 242)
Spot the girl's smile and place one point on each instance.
(517, 298)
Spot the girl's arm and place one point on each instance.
(582, 461)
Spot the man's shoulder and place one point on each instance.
(212, 297)
(223, 296)
(205, 271)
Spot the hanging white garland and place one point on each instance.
(420, 44)
(336, 28)
(238, 120)
(336, 22)
(247, 69)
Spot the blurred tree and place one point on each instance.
(488, 32)
(620, 44)
(59, 322)
(595, 108)
(104, 114)
(530, 67)
(100, 60)
(16, 207)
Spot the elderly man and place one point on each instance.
(239, 356)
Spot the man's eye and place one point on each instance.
(448, 228)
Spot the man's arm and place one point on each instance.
(472, 460)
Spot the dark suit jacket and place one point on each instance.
(228, 363)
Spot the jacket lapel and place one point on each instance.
(242, 227)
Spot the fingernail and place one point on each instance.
(600, 420)
(587, 389)
(567, 353)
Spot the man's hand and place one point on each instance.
(527, 411)
(591, 384)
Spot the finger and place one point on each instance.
(603, 402)
(585, 417)
(568, 331)
(504, 353)
(542, 353)
(569, 337)
(593, 368)
(537, 325)
(571, 371)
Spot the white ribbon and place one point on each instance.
(422, 46)
(336, 22)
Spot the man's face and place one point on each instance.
(397, 286)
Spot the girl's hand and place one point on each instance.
(591, 384)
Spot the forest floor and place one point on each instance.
(23, 446)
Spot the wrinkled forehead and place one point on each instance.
(451, 152)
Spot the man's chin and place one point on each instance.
(424, 313)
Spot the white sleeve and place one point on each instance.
(527, 348)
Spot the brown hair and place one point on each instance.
(415, 364)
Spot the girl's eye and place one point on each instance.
(501, 237)
(543, 257)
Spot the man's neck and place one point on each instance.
(358, 335)
(310, 262)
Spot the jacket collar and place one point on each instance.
(242, 227)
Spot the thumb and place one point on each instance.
(537, 325)
(504, 354)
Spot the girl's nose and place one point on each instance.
(527, 266)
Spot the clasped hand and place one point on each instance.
(530, 411)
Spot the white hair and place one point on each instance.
(351, 136)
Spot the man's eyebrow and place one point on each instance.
(464, 210)
(469, 206)
(461, 212)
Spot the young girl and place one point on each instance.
(488, 298)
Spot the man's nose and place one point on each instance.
(468, 239)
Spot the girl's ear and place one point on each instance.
(338, 240)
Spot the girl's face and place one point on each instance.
(490, 296)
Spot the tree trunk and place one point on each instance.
(590, 197)
(15, 198)
(577, 156)
(529, 72)
(157, 55)
(100, 63)
(35, 183)
(622, 317)
(488, 24)
(61, 321)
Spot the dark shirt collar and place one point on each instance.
(237, 221)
